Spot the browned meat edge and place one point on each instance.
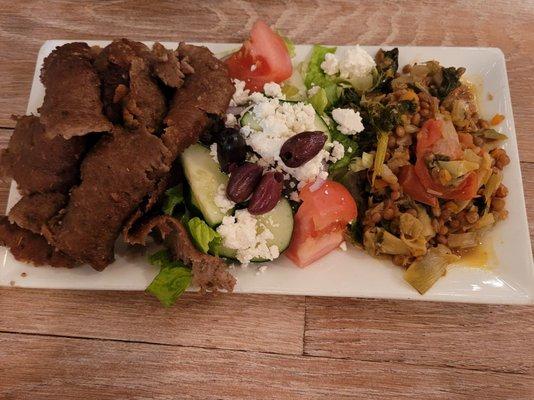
(72, 105)
(39, 164)
(31, 248)
(116, 175)
(33, 211)
(209, 273)
(130, 95)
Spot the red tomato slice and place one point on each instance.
(330, 205)
(320, 222)
(266, 53)
(432, 139)
(412, 186)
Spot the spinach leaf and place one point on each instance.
(450, 81)
(387, 64)
(172, 280)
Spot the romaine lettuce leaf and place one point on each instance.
(173, 197)
(173, 278)
(315, 76)
(204, 237)
(319, 101)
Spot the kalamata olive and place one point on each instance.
(301, 148)
(231, 148)
(215, 127)
(267, 194)
(243, 181)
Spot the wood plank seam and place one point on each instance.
(146, 342)
(392, 364)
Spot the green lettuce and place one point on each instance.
(173, 197)
(315, 76)
(205, 238)
(319, 101)
(350, 147)
(172, 280)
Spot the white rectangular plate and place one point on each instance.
(510, 279)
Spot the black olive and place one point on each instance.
(215, 127)
(231, 148)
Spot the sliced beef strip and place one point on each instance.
(207, 91)
(72, 105)
(204, 93)
(116, 175)
(29, 247)
(33, 211)
(209, 273)
(130, 95)
(38, 163)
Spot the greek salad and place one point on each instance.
(342, 149)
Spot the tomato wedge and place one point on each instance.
(412, 186)
(320, 222)
(263, 58)
(438, 137)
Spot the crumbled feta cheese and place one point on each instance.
(330, 65)
(213, 152)
(230, 121)
(349, 122)
(273, 89)
(222, 201)
(292, 185)
(241, 95)
(244, 234)
(278, 121)
(343, 246)
(258, 97)
(323, 175)
(253, 67)
(338, 151)
(313, 90)
(354, 62)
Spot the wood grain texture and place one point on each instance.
(24, 25)
(475, 336)
(66, 368)
(242, 322)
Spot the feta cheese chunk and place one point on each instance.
(222, 201)
(354, 62)
(241, 95)
(247, 236)
(213, 152)
(330, 65)
(276, 122)
(337, 152)
(349, 122)
(273, 89)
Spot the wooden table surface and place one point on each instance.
(57, 344)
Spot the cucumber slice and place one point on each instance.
(279, 221)
(248, 120)
(204, 177)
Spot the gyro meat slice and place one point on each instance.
(72, 105)
(31, 248)
(41, 164)
(130, 94)
(33, 211)
(116, 175)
